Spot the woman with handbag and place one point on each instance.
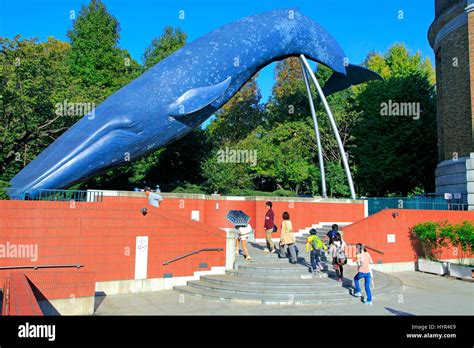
(287, 238)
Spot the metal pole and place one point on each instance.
(316, 130)
(333, 125)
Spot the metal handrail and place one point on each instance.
(191, 253)
(41, 266)
(370, 248)
(376, 250)
(6, 298)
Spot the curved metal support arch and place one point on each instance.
(333, 125)
(316, 130)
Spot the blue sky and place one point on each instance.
(358, 25)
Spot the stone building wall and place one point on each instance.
(450, 38)
(451, 35)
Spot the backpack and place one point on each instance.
(317, 243)
(332, 234)
(341, 258)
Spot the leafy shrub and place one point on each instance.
(189, 188)
(429, 235)
(461, 237)
(284, 193)
(433, 235)
(3, 189)
(248, 192)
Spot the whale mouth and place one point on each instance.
(80, 163)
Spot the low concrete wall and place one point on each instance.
(409, 266)
(146, 285)
(69, 306)
(395, 267)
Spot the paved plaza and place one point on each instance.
(421, 294)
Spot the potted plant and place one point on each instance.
(431, 237)
(461, 237)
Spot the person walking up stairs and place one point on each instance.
(316, 248)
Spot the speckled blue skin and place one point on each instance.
(177, 95)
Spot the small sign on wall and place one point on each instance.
(141, 257)
(195, 215)
(390, 238)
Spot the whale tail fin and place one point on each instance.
(356, 75)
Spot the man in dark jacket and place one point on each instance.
(269, 225)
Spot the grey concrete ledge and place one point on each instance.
(109, 193)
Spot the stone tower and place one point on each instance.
(451, 35)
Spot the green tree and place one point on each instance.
(396, 154)
(284, 157)
(161, 47)
(225, 177)
(95, 59)
(288, 101)
(239, 116)
(33, 80)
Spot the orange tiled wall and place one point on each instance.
(101, 237)
(302, 214)
(373, 231)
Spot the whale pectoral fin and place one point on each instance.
(197, 98)
(355, 75)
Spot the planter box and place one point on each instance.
(435, 267)
(461, 271)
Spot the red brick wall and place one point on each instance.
(102, 237)
(302, 214)
(373, 231)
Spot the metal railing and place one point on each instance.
(191, 253)
(370, 248)
(41, 266)
(377, 204)
(6, 298)
(56, 195)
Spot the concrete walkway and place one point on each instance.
(422, 294)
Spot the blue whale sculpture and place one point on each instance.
(178, 94)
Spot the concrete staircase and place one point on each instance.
(267, 279)
(302, 234)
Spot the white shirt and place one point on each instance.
(154, 199)
(245, 231)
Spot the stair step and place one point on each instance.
(315, 282)
(318, 281)
(269, 292)
(254, 260)
(278, 293)
(295, 299)
(278, 268)
(260, 275)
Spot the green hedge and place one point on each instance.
(432, 235)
